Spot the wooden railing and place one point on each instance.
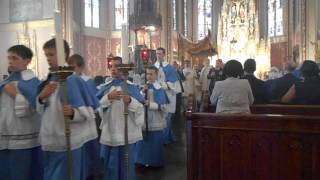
(311, 110)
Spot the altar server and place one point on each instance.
(150, 150)
(19, 121)
(79, 107)
(91, 148)
(113, 100)
(168, 79)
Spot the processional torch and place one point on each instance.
(63, 72)
(125, 68)
(145, 57)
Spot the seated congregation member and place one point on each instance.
(308, 90)
(113, 101)
(258, 86)
(79, 107)
(150, 150)
(232, 95)
(19, 121)
(91, 148)
(279, 86)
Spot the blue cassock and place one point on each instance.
(79, 95)
(159, 95)
(170, 73)
(92, 86)
(26, 87)
(150, 150)
(133, 90)
(91, 148)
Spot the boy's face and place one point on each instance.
(160, 55)
(16, 62)
(151, 75)
(115, 73)
(51, 55)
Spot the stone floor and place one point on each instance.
(176, 159)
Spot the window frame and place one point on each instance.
(92, 14)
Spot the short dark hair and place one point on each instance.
(309, 69)
(22, 51)
(162, 49)
(117, 58)
(233, 68)
(153, 68)
(52, 44)
(249, 66)
(77, 59)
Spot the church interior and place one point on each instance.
(269, 31)
(275, 141)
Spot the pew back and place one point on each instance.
(245, 147)
(310, 110)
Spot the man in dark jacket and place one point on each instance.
(258, 86)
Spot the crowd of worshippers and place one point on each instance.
(233, 87)
(55, 128)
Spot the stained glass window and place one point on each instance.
(120, 13)
(92, 13)
(275, 18)
(204, 17)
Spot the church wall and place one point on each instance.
(15, 29)
(95, 54)
(24, 10)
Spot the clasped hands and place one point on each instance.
(117, 95)
(48, 90)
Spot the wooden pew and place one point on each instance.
(311, 110)
(253, 147)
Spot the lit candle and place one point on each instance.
(59, 40)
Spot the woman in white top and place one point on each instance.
(232, 95)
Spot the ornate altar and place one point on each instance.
(238, 34)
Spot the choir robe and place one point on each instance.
(150, 150)
(91, 148)
(19, 129)
(112, 136)
(52, 133)
(169, 81)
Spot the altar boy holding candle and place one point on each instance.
(80, 108)
(19, 121)
(150, 150)
(113, 101)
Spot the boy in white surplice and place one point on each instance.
(19, 121)
(150, 150)
(80, 108)
(113, 100)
